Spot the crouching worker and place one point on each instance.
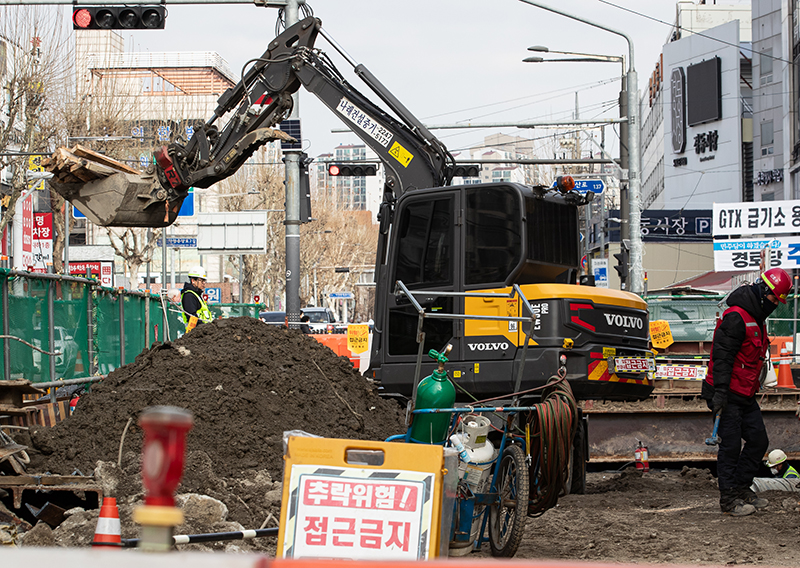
(195, 309)
(786, 477)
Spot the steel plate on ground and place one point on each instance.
(674, 436)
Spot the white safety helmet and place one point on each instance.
(775, 457)
(198, 272)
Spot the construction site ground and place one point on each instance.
(246, 383)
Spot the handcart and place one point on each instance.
(514, 460)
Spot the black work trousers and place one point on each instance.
(737, 464)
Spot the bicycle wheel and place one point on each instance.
(507, 516)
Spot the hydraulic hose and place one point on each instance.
(553, 425)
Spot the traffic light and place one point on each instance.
(353, 169)
(119, 17)
(466, 170)
(623, 258)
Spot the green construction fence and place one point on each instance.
(94, 329)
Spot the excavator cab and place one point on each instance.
(449, 242)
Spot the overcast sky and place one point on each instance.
(448, 61)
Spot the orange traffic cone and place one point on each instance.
(785, 379)
(107, 533)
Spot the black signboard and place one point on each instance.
(703, 90)
(678, 88)
(668, 225)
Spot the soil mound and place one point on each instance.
(244, 382)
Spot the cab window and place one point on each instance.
(425, 244)
(493, 235)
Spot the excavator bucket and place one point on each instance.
(110, 193)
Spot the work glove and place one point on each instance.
(719, 401)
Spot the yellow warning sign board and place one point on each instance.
(358, 338)
(401, 154)
(661, 334)
(35, 165)
(359, 500)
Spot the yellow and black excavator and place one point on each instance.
(434, 237)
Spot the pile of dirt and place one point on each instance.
(245, 383)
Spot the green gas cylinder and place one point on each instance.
(434, 391)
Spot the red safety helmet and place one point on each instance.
(779, 282)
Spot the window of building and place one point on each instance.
(767, 138)
(765, 62)
(2, 58)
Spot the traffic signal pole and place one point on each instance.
(634, 180)
(292, 219)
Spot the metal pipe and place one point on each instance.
(794, 323)
(65, 382)
(6, 332)
(48, 276)
(209, 537)
(163, 285)
(533, 124)
(66, 238)
(147, 322)
(90, 329)
(121, 299)
(241, 279)
(51, 341)
(266, 4)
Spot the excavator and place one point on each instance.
(450, 244)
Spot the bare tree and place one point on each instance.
(344, 240)
(335, 238)
(259, 186)
(124, 110)
(136, 247)
(35, 75)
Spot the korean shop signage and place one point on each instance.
(745, 254)
(678, 87)
(756, 218)
(666, 225)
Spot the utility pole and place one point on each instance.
(624, 205)
(633, 211)
(292, 219)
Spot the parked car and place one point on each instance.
(64, 344)
(273, 318)
(321, 320)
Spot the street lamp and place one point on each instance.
(575, 57)
(634, 182)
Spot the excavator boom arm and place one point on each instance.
(412, 156)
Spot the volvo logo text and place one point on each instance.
(487, 346)
(624, 321)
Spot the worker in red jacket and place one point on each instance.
(737, 356)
